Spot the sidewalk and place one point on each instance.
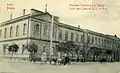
(15, 56)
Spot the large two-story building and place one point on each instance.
(35, 28)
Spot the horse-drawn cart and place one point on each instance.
(34, 57)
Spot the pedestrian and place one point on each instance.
(67, 60)
(78, 59)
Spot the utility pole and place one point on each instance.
(51, 34)
(84, 45)
(83, 51)
(27, 34)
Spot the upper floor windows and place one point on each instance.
(92, 41)
(96, 40)
(88, 40)
(17, 30)
(102, 42)
(99, 41)
(60, 35)
(5, 33)
(25, 29)
(66, 36)
(72, 37)
(82, 38)
(45, 29)
(53, 32)
(11, 31)
(37, 28)
(77, 37)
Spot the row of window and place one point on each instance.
(90, 40)
(72, 36)
(11, 31)
(45, 29)
(98, 41)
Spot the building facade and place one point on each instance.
(35, 28)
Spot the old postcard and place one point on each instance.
(59, 36)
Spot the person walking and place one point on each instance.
(66, 60)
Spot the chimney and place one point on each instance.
(23, 11)
(45, 8)
(78, 26)
(115, 35)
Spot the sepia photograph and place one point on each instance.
(59, 36)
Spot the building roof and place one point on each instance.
(103, 35)
(71, 27)
(95, 33)
(33, 13)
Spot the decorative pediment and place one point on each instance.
(47, 17)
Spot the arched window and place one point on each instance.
(17, 30)
(77, 37)
(92, 41)
(60, 35)
(11, 31)
(88, 40)
(24, 29)
(66, 35)
(96, 40)
(45, 29)
(102, 42)
(72, 37)
(99, 41)
(5, 33)
(37, 29)
(82, 38)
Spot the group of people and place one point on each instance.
(65, 60)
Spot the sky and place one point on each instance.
(103, 21)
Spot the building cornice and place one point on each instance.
(25, 38)
(103, 35)
(71, 27)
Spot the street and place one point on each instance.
(13, 66)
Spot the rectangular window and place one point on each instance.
(17, 31)
(92, 40)
(88, 41)
(102, 42)
(37, 29)
(60, 35)
(24, 29)
(96, 40)
(99, 41)
(77, 37)
(5, 33)
(54, 31)
(11, 31)
(45, 29)
(82, 38)
(72, 37)
(66, 36)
